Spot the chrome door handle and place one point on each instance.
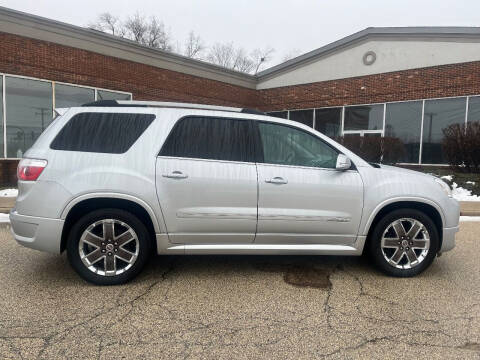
(176, 175)
(277, 180)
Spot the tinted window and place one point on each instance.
(328, 121)
(474, 109)
(101, 132)
(1, 120)
(439, 114)
(365, 117)
(210, 138)
(279, 114)
(403, 122)
(112, 95)
(302, 116)
(286, 145)
(29, 112)
(69, 96)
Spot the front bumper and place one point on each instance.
(38, 233)
(448, 242)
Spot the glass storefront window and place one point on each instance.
(28, 112)
(1, 118)
(473, 109)
(111, 95)
(438, 115)
(69, 96)
(302, 116)
(328, 121)
(364, 117)
(403, 122)
(279, 114)
(29, 109)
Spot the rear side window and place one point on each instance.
(210, 138)
(112, 133)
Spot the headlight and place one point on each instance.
(445, 187)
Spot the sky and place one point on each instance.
(289, 26)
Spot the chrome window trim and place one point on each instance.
(206, 160)
(250, 163)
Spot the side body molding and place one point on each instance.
(158, 226)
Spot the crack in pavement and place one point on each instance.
(234, 307)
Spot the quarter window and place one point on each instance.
(285, 145)
(112, 133)
(210, 138)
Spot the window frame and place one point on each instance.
(260, 154)
(251, 155)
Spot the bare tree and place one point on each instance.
(156, 35)
(261, 57)
(228, 56)
(291, 54)
(136, 28)
(194, 46)
(221, 54)
(108, 23)
(151, 32)
(242, 62)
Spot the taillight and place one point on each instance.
(30, 169)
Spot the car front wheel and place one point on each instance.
(108, 246)
(404, 243)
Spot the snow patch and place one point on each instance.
(470, 182)
(469, 218)
(9, 193)
(447, 177)
(462, 194)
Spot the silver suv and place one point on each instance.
(114, 181)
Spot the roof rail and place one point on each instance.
(159, 104)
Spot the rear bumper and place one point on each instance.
(448, 242)
(38, 233)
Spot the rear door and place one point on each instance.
(206, 181)
(302, 197)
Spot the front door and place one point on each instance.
(302, 198)
(206, 181)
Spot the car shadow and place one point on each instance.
(297, 270)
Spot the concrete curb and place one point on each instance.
(6, 203)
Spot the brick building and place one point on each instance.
(402, 83)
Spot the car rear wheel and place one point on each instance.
(108, 246)
(404, 243)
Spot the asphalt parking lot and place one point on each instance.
(242, 307)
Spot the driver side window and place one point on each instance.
(286, 145)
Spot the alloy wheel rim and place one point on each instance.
(108, 247)
(405, 243)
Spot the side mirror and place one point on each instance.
(343, 162)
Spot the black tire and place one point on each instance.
(375, 249)
(144, 246)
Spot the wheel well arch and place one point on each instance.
(428, 209)
(90, 204)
